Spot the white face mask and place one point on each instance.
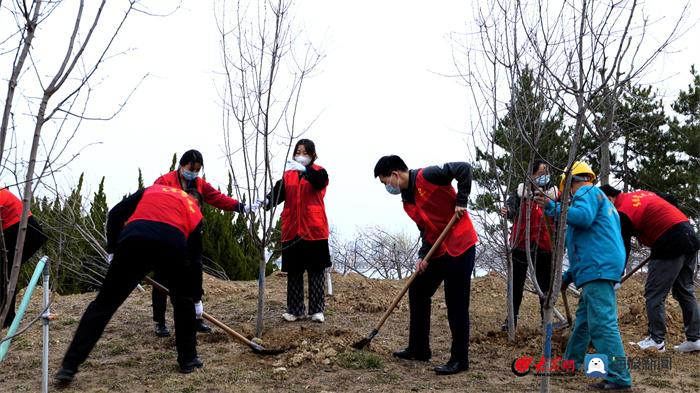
(303, 160)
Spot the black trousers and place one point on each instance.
(542, 261)
(159, 300)
(134, 259)
(34, 239)
(456, 273)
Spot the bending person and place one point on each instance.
(158, 228)
(186, 177)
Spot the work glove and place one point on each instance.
(110, 257)
(251, 208)
(198, 309)
(295, 166)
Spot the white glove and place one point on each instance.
(295, 166)
(261, 203)
(198, 309)
(617, 286)
(110, 257)
(251, 208)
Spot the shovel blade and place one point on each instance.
(260, 350)
(365, 341)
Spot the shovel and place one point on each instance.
(628, 275)
(365, 341)
(257, 348)
(566, 308)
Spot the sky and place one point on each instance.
(382, 88)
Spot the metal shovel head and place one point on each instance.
(365, 341)
(260, 350)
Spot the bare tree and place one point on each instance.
(264, 69)
(375, 253)
(56, 91)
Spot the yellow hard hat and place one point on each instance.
(578, 168)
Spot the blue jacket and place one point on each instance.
(593, 239)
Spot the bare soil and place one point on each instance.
(318, 357)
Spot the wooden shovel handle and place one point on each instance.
(208, 317)
(427, 257)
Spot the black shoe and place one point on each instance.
(162, 330)
(451, 367)
(202, 327)
(409, 354)
(188, 367)
(607, 385)
(64, 376)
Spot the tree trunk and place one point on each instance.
(605, 162)
(26, 202)
(260, 323)
(547, 345)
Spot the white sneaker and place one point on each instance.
(688, 346)
(318, 317)
(289, 317)
(649, 343)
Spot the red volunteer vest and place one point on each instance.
(434, 208)
(10, 208)
(304, 212)
(650, 214)
(169, 206)
(538, 230)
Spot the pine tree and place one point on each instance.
(173, 163)
(529, 130)
(99, 209)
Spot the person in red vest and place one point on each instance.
(186, 177)
(658, 224)
(157, 228)
(518, 203)
(430, 200)
(304, 230)
(10, 214)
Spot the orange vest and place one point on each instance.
(169, 206)
(10, 208)
(304, 212)
(650, 214)
(434, 208)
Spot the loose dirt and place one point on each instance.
(129, 358)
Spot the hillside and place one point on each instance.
(318, 358)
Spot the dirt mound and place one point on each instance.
(318, 357)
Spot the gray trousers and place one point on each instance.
(675, 275)
(295, 292)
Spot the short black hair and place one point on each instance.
(191, 157)
(388, 164)
(536, 165)
(310, 147)
(609, 190)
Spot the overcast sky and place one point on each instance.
(380, 90)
